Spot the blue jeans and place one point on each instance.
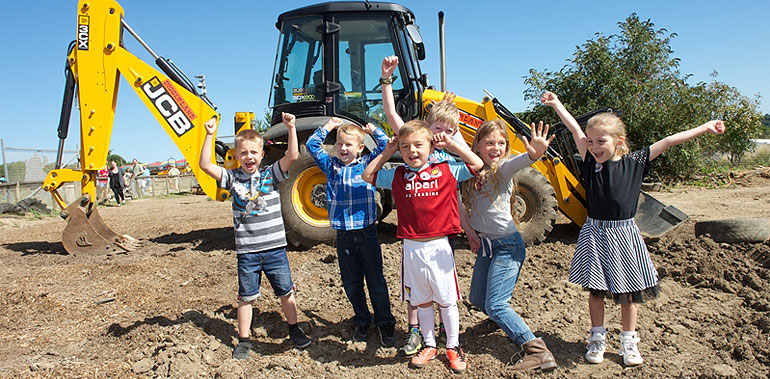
(275, 265)
(494, 277)
(360, 257)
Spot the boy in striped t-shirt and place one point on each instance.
(260, 239)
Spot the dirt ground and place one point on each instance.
(168, 309)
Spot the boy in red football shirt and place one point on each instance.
(426, 199)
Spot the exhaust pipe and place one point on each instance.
(442, 50)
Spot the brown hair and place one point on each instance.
(248, 135)
(613, 125)
(444, 111)
(353, 130)
(487, 173)
(415, 126)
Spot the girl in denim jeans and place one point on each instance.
(493, 236)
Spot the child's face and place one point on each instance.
(348, 147)
(492, 147)
(249, 155)
(442, 127)
(415, 148)
(602, 145)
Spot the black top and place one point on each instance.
(116, 179)
(343, 6)
(612, 187)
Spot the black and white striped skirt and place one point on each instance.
(611, 256)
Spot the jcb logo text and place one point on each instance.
(168, 107)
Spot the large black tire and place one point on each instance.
(534, 203)
(303, 203)
(733, 230)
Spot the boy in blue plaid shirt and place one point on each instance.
(353, 212)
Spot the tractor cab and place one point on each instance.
(329, 59)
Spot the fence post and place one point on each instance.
(168, 191)
(5, 164)
(18, 193)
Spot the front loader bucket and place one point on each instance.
(655, 218)
(86, 233)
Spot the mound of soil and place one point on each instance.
(169, 309)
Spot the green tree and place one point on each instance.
(265, 123)
(111, 156)
(766, 126)
(635, 71)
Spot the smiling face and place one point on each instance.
(415, 143)
(249, 154)
(348, 146)
(603, 145)
(493, 147)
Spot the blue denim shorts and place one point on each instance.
(275, 265)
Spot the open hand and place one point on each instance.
(211, 125)
(389, 65)
(288, 119)
(549, 98)
(539, 143)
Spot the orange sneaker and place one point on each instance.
(456, 359)
(423, 357)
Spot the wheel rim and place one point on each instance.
(309, 197)
(523, 204)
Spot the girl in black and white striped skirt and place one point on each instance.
(611, 257)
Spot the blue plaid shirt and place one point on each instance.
(349, 199)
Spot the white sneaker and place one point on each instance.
(595, 347)
(629, 350)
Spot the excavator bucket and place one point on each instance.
(655, 218)
(87, 234)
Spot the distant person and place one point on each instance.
(145, 181)
(260, 238)
(136, 171)
(117, 183)
(173, 172)
(611, 258)
(353, 213)
(102, 181)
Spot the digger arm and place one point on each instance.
(96, 63)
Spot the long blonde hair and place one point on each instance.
(612, 125)
(487, 173)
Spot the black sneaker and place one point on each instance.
(360, 333)
(299, 338)
(387, 335)
(242, 350)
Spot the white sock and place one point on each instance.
(598, 329)
(425, 315)
(626, 333)
(451, 316)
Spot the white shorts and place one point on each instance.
(428, 273)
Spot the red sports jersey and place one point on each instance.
(426, 202)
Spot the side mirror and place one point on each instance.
(414, 35)
(424, 80)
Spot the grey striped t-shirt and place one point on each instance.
(256, 208)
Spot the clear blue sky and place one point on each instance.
(490, 45)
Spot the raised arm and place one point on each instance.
(205, 160)
(550, 99)
(377, 163)
(292, 149)
(389, 65)
(713, 126)
(461, 150)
